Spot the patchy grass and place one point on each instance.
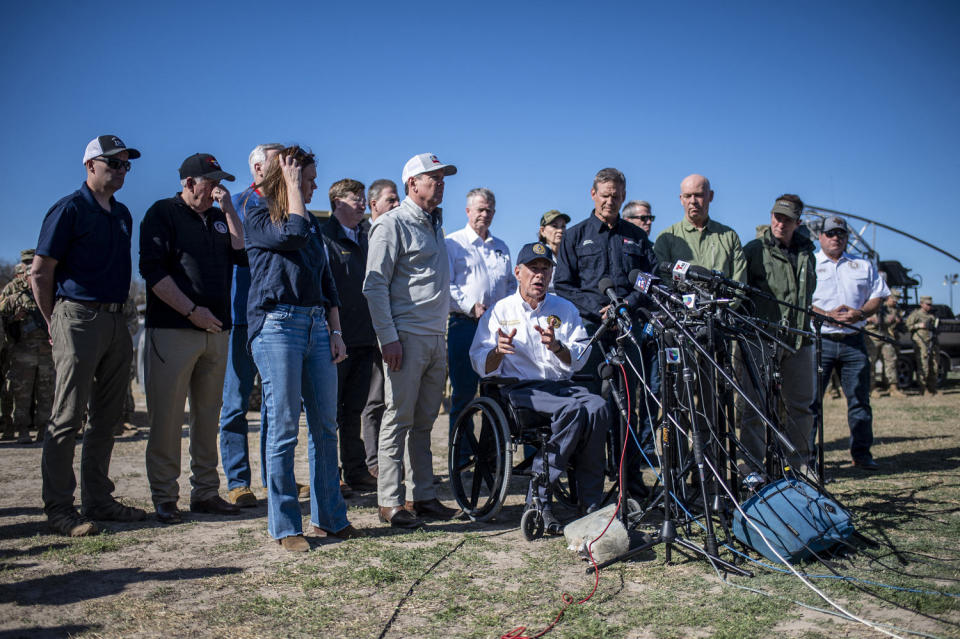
(224, 577)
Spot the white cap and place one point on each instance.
(424, 163)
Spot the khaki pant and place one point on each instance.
(91, 354)
(413, 395)
(181, 361)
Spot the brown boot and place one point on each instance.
(896, 392)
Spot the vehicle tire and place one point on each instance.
(943, 368)
(905, 372)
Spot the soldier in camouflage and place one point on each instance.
(6, 399)
(922, 324)
(888, 322)
(31, 358)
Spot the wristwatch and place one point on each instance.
(559, 350)
(337, 332)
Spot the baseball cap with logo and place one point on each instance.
(788, 208)
(203, 165)
(105, 146)
(834, 223)
(534, 251)
(424, 163)
(551, 215)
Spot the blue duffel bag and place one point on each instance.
(795, 518)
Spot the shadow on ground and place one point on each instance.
(81, 585)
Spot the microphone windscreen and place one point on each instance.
(604, 284)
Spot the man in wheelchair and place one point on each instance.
(539, 339)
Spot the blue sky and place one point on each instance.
(852, 105)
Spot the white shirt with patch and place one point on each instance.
(480, 270)
(532, 360)
(851, 281)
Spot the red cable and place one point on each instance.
(517, 633)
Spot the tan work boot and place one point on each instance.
(242, 496)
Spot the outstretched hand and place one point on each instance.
(547, 336)
(505, 342)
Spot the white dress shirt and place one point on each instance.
(480, 270)
(532, 360)
(851, 281)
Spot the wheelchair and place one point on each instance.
(486, 436)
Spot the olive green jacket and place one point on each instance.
(716, 248)
(769, 269)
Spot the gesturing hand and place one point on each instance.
(547, 337)
(505, 342)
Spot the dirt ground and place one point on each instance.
(150, 580)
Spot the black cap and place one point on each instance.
(203, 165)
(534, 251)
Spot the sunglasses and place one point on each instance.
(647, 218)
(833, 233)
(116, 164)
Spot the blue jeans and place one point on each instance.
(292, 352)
(237, 386)
(463, 379)
(850, 356)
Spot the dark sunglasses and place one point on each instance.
(116, 164)
(647, 218)
(836, 233)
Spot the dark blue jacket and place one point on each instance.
(287, 266)
(590, 252)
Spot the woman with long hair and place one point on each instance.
(295, 338)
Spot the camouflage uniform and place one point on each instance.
(888, 323)
(6, 400)
(31, 372)
(923, 326)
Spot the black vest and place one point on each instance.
(348, 262)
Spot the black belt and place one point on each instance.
(837, 337)
(464, 316)
(114, 307)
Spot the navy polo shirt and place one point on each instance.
(91, 246)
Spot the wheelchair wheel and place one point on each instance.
(480, 459)
(531, 524)
(565, 490)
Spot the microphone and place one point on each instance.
(643, 282)
(683, 271)
(606, 286)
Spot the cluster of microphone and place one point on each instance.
(683, 275)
